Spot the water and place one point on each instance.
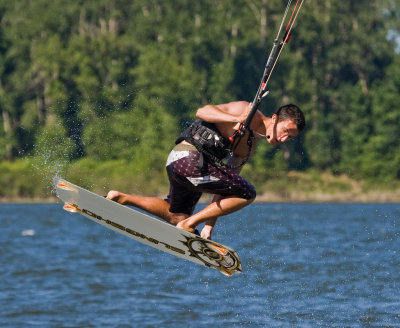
(304, 265)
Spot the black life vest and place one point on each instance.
(211, 144)
(207, 140)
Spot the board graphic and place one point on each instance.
(147, 229)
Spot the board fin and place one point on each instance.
(70, 208)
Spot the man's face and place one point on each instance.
(283, 131)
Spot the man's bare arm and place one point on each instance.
(232, 112)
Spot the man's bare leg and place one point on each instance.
(220, 207)
(153, 205)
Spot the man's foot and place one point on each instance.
(113, 195)
(195, 231)
(182, 225)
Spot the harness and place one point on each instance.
(211, 145)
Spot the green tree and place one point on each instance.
(346, 50)
(381, 158)
(143, 135)
(103, 74)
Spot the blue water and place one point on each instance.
(304, 265)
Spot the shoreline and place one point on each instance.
(267, 197)
(371, 196)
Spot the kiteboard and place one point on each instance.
(147, 229)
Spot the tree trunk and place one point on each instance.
(8, 132)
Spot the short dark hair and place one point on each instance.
(293, 113)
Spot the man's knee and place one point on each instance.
(249, 201)
(250, 193)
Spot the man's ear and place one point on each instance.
(274, 118)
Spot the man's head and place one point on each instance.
(286, 123)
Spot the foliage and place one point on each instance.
(97, 84)
(20, 179)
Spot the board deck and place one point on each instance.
(147, 229)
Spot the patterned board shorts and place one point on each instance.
(188, 181)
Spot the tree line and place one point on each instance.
(107, 85)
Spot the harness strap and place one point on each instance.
(249, 146)
(211, 145)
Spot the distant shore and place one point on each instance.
(270, 197)
(348, 197)
(290, 187)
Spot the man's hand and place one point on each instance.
(209, 226)
(206, 232)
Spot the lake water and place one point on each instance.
(304, 265)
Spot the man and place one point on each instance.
(196, 165)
